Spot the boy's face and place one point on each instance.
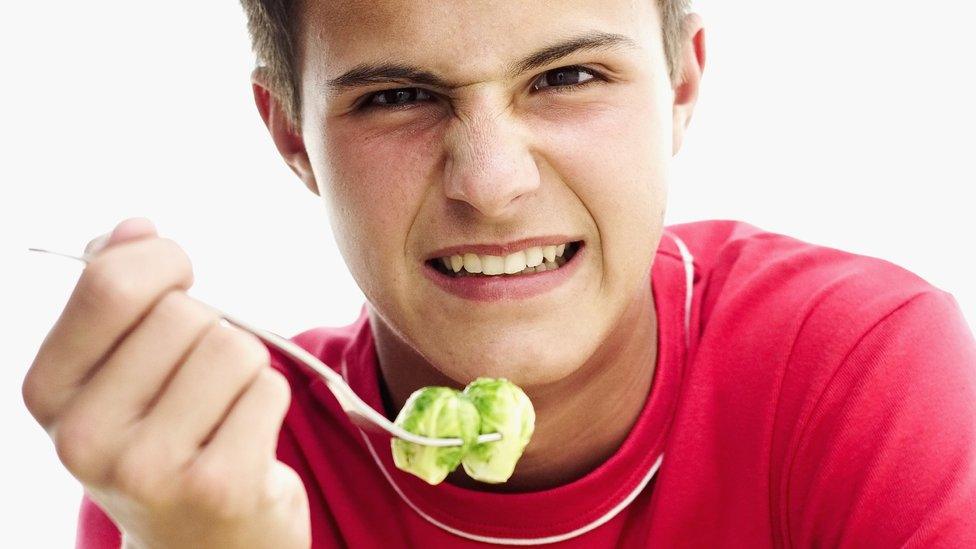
(497, 156)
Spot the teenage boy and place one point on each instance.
(702, 385)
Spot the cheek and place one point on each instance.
(376, 182)
(615, 158)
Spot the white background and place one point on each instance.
(849, 124)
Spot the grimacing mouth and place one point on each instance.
(535, 259)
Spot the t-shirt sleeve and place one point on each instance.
(95, 529)
(887, 457)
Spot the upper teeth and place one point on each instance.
(508, 264)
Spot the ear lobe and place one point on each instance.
(687, 88)
(286, 137)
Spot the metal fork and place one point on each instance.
(358, 411)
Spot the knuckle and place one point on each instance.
(252, 351)
(172, 306)
(111, 279)
(243, 349)
(178, 257)
(78, 446)
(141, 475)
(35, 398)
(208, 487)
(104, 283)
(275, 386)
(176, 307)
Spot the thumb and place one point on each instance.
(134, 228)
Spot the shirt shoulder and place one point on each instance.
(788, 311)
(841, 358)
(785, 315)
(767, 278)
(890, 438)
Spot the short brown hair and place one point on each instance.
(273, 25)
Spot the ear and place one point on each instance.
(692, 66)
(286, 137)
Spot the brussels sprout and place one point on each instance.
(438, 412)
(504, 408)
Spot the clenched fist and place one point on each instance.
(168, 416)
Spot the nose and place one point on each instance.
(489, 163)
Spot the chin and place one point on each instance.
(526, 371)
(528, 351)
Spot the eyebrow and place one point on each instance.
(369, 74)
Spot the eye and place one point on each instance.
(399, 97)
(564, 77)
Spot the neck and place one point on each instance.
(609, 390)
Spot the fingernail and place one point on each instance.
(97, 243)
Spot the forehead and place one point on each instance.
(464, 40)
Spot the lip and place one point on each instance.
(502, 249)
(501, 287)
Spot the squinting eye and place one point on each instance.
(563, 77)
(396, 98)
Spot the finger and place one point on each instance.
(130, 229)
(120, 391)
(115, 291)
(136, 371)
(244, 445)
(251, 428)
(204, 388)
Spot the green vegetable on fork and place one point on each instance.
(486, 406)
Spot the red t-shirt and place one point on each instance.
(824, 399)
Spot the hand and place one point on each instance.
(167, 416)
